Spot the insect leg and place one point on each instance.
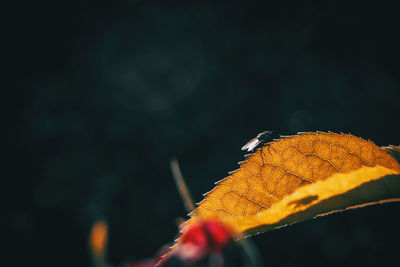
(269, 151)
(261, 154)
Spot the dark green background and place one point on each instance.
(99, 95)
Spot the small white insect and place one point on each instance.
(260, 139)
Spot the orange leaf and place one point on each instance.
(365, 186)
(271, 184)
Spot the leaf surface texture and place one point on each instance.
(271, 184)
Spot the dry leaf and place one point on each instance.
(299, 177)
(365, 186)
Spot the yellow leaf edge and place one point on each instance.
(364, 186)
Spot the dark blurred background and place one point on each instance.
(99, 95)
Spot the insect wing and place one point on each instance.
(251, 144)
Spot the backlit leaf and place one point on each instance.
(365, 186)
(299, 177)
